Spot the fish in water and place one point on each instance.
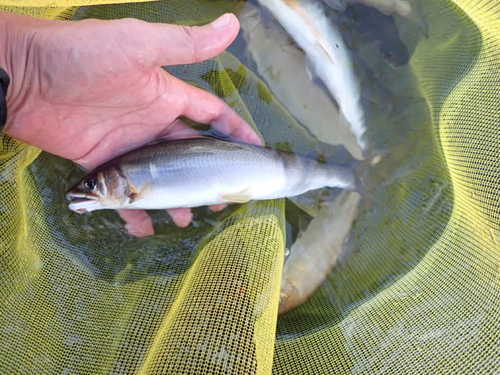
(387, 7)
(328, 57)
(281, 64)
(365, 25)
(399, 7)
(316, 251)
(203, 171)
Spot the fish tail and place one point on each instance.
(358, 184)
(359, 187)
(367, 174)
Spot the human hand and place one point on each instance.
(91, 90)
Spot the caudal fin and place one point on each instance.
(364, 170)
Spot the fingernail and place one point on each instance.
(222, 21)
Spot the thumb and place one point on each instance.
(164, 44)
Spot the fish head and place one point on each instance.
(394, 53)
(103, 189)
(289, 296)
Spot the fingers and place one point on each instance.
(181, 216)
(156, 44)
(137, 222)
(217, 207)
(205, 108)
(179, 130)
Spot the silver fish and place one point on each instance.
(198, 172)
(327, 55)
(282, 66)
(387, 7)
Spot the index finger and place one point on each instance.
(204, 107)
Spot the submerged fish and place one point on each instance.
(198, 172)
(316, 251)
(387, 7)
(371, 26)
(327, 55)
(282, 65)
(400, 7)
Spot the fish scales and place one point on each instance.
(198, 172)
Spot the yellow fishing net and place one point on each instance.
(419, 295)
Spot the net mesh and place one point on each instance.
(421, 294)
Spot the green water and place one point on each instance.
(409, 203)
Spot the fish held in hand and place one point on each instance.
(199, 172)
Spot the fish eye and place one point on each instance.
(388, 55)
(91, 183)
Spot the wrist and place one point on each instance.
(16, 38)
(4, 53)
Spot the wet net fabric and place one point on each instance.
(420, 295)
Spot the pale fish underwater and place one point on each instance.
(404, 8)
(316, 251)
(282, 65)
(327, 55)
(199, 172)
(400, 7)
(363, 25)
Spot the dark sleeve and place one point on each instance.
(4, 85)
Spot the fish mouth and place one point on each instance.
(396, 65)
(79, 194)
(83, 202)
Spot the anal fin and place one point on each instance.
(308, 202)
(237, 197)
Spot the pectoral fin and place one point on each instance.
(324, 51)
(136, 195)
(311, 69)
(238, 197)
